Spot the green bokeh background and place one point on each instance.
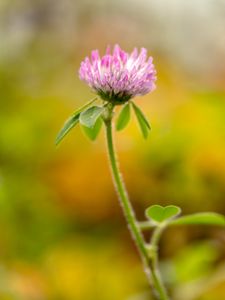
(62, 233)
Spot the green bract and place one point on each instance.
(142, 121)
(89, 117)
(124, 117)
(93, 132)
(68, 125)
(71, 122)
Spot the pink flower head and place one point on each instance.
(119, 76)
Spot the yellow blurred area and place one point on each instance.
(62, 233)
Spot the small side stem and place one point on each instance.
(150, 261)
(156, 276)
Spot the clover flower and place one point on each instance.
(116, 78)
(119, 76)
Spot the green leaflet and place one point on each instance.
(124, 117)
(142, 120)
(205, 218)
(93, 132)
(89, 117)
(71, 122)
(159, 213)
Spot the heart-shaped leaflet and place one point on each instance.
(160, 213)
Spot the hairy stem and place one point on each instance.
(125, 202)
(150, 261)
(158, 283)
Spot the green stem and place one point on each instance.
(125, 202)
(150, 261)
(158, 283)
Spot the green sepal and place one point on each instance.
(160, 213)
(123, 118)
(205, 218)
(89, 117)
(93, 132)
(142, 121)
(72, 122)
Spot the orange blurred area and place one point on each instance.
(62, 232)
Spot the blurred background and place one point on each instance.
(62, 233)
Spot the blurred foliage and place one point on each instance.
(62, 233)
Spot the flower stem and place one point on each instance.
(150, 261)
(120, 187)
